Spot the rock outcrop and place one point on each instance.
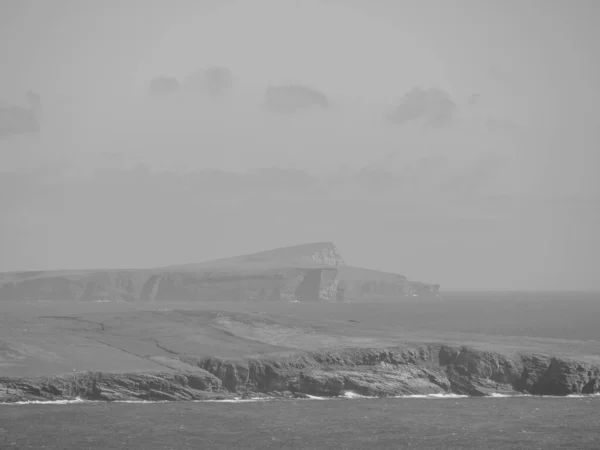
(399, 371)
(310, 272)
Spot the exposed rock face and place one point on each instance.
(292, 284)
(363, 285)
(328, 255)
(310, 272)
(410, 370)
(289, 284)
(110, 387)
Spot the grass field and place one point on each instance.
(468, 424)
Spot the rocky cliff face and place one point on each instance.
(365, 285)
(421, 369)
(407, 370)
(285, 284)
(310, 272)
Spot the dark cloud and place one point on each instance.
(473, 99)
(15, 120)
(501, 124)
(432, 105)
(15, 190)
(19, 120)
(163, 86)
(476, 178)
(292, 98)
(504, 78)
(214, 81)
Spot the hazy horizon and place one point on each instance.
(499, 191)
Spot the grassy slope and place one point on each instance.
(51, 338)
(339, 424)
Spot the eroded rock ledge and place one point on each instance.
(406, 370)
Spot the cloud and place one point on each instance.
(214, 80)
(163, 86)
(15, 120)
(473, 99)
(478, 177)
(504, 78)
(15, 191)
(432, 105)
(292, 98)
(502, 124)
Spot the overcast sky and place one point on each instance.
(509, 206)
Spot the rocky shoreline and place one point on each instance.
(398, 371)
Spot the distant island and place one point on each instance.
(306, 273)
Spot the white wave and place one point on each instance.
(237, 400)
(140, 401)
(499, 395)
(346, 395)
(432, 396)
(584, 395)
(350, 394)
(444, 395)
(49, 402)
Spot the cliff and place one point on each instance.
(310, 272)
(128, 351)
(398, 371)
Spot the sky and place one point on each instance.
(504, 195)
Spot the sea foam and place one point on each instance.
(346, 395)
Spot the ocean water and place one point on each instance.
(423, 422)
